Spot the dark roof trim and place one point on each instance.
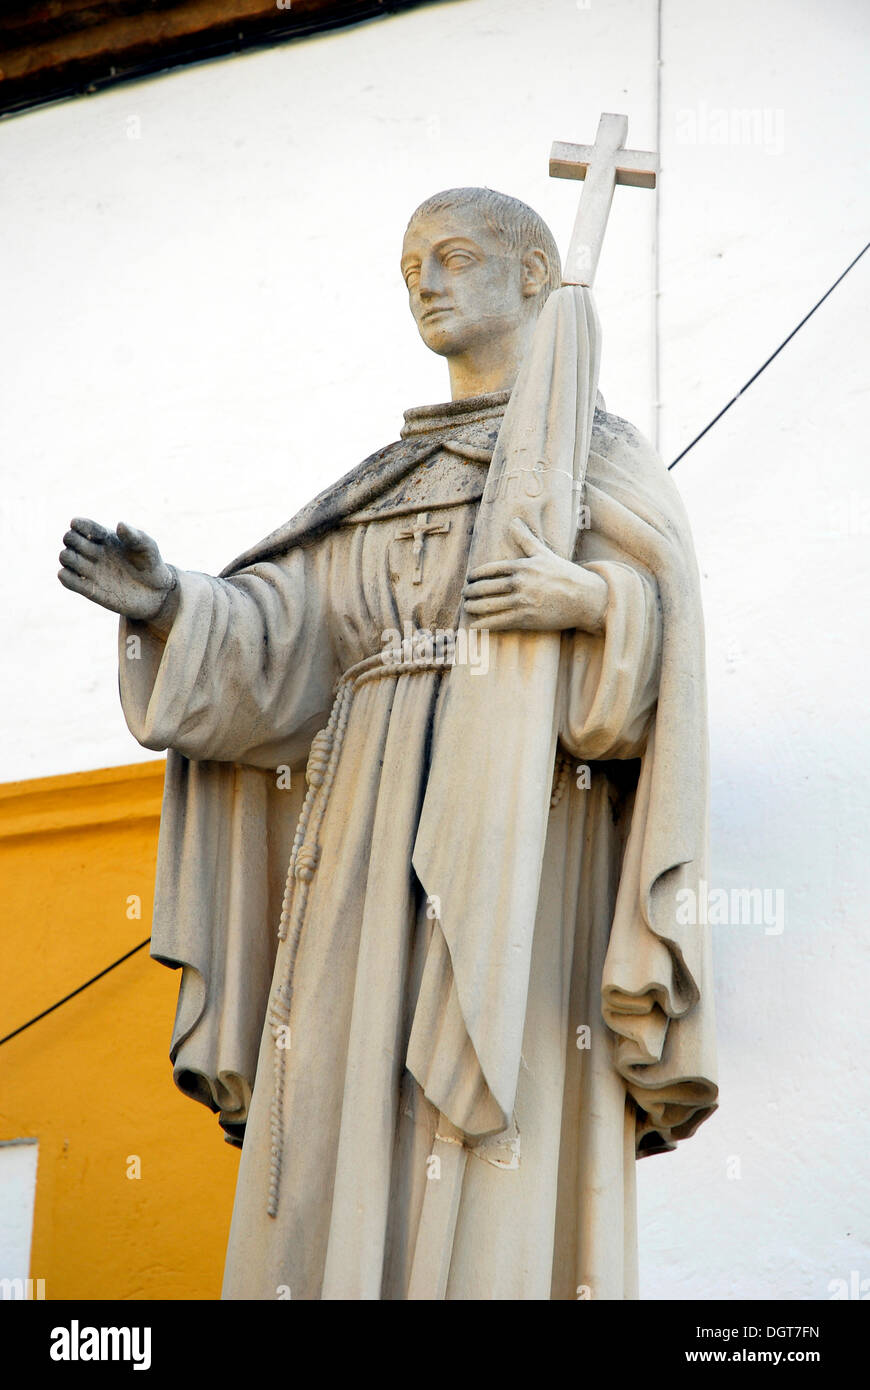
(51, 49)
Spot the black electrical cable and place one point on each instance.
(92, 981)
(757, 374)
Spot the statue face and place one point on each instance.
(465, 286)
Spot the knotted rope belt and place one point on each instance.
(420, 653)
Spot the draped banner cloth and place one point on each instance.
(480, 843)
(494, 1005)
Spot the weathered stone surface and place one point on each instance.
(462, 695)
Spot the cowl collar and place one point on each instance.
(473, 410)
(425, 419)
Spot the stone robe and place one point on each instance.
(353, 1183)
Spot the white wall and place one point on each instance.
(205, 325)
(752, 235)
(18, 1163)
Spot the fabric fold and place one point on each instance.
(221, 861)
(492, 811)
(657, 971)
(480, 841)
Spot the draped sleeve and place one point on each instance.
(236, 692)
(246, 672)
(610, 682)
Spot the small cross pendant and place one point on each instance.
(417, 533)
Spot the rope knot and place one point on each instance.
(318, 758)
(307, 860)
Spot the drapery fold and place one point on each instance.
(483, 826)
(223, 938)
(480, 842)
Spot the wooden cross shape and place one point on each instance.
(603, 165)
(421, 528)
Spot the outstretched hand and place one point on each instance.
(121, 570)
(538, 592)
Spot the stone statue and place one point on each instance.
(461, 694)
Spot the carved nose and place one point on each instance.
(430, 282)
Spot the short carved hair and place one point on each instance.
(515, 224)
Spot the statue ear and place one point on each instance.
(535, 272)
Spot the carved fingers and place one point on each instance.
(78, 584)
(121, 570)
(539, 591)
(495, 596)
(83, 547)
(501, 594)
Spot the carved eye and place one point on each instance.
(457, 260)
(412, 275)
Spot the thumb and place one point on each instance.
(133, 539)
(525, 538)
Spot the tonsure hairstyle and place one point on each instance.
(513, 222)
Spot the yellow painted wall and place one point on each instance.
(93, 1081)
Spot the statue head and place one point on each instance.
(479, 266)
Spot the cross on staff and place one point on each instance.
(417, 533)
(603, 165)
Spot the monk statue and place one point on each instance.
(436, 780)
